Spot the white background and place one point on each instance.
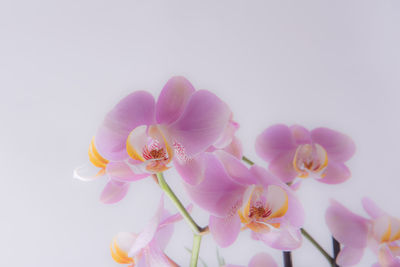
(64, 64)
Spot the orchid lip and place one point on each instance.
(148, 145)
(259, 210)
(386, 229)
(94, 156)
(119, 255)
(310, 160)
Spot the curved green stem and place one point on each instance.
(195, 250)
(182, 210)
(318, 246)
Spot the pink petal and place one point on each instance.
(170, 219)
(218, 193)
(140, 262)
(274, 141)
(286, 238)
(122, 172)
(340, 147)
(225, 230)
(146, 236)
(202, 122)
(235, 148)
(155, 257)
(166, 226)
(386, 258)
(347, 227)
(336, 173)
(300, 135)
(163, 235)
(282, 166)
(349, 256)
(134, 110)
(114, 191)
(173, 99)
(296, 185)
(382, 228)
(295, 213)
(262, 260)
(227, 135)
(371, 208)
(192, 170)
(235, 168)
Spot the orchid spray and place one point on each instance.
(193, 131)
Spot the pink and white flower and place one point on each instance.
(141, 136)
(239, 198)
(381, 233)
(296, 152)
(258, 260)
(146, 248)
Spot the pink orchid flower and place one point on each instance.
(191, 170)
(140, 136)
(258, 260)
(239, 198)
(146, 248)
(381, 233)
(295, 152)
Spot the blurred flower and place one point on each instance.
(140, 136)
(381, 233)
(295, 152)
(258, 260)
(146, 248)
(241, 198)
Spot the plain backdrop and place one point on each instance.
(65, 64)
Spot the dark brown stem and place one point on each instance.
(336, 249)
(287, 259)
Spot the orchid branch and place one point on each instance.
(247, 160)
(287, 259)
(195, 250)
(182, 210)
(200, 259)
(197, 230)
(318, 246)
(336, 249)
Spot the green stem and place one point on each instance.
(247, 160)
(318, 246)
(182, 210)
(195, 250)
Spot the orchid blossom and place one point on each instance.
(258, 260)
(146, 248)
(194, 131)
(140, 136)
(381, 233)
(296, 152)
(239, 198)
